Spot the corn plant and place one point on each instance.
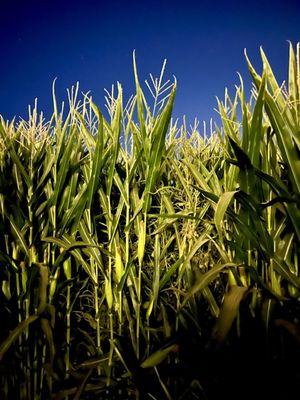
(127, 238)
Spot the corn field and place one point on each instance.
(145, 259)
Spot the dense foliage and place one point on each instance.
(140, 259)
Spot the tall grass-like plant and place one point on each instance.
(133, 250)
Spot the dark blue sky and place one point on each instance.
(92, 42)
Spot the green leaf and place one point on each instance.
(205, 280)
(228, 312)
(256, 129)
(221, 208)
(14, 334)
(97, 163)
(157, 148)
(18, 235)
(158, 357)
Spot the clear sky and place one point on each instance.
(92, 42)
